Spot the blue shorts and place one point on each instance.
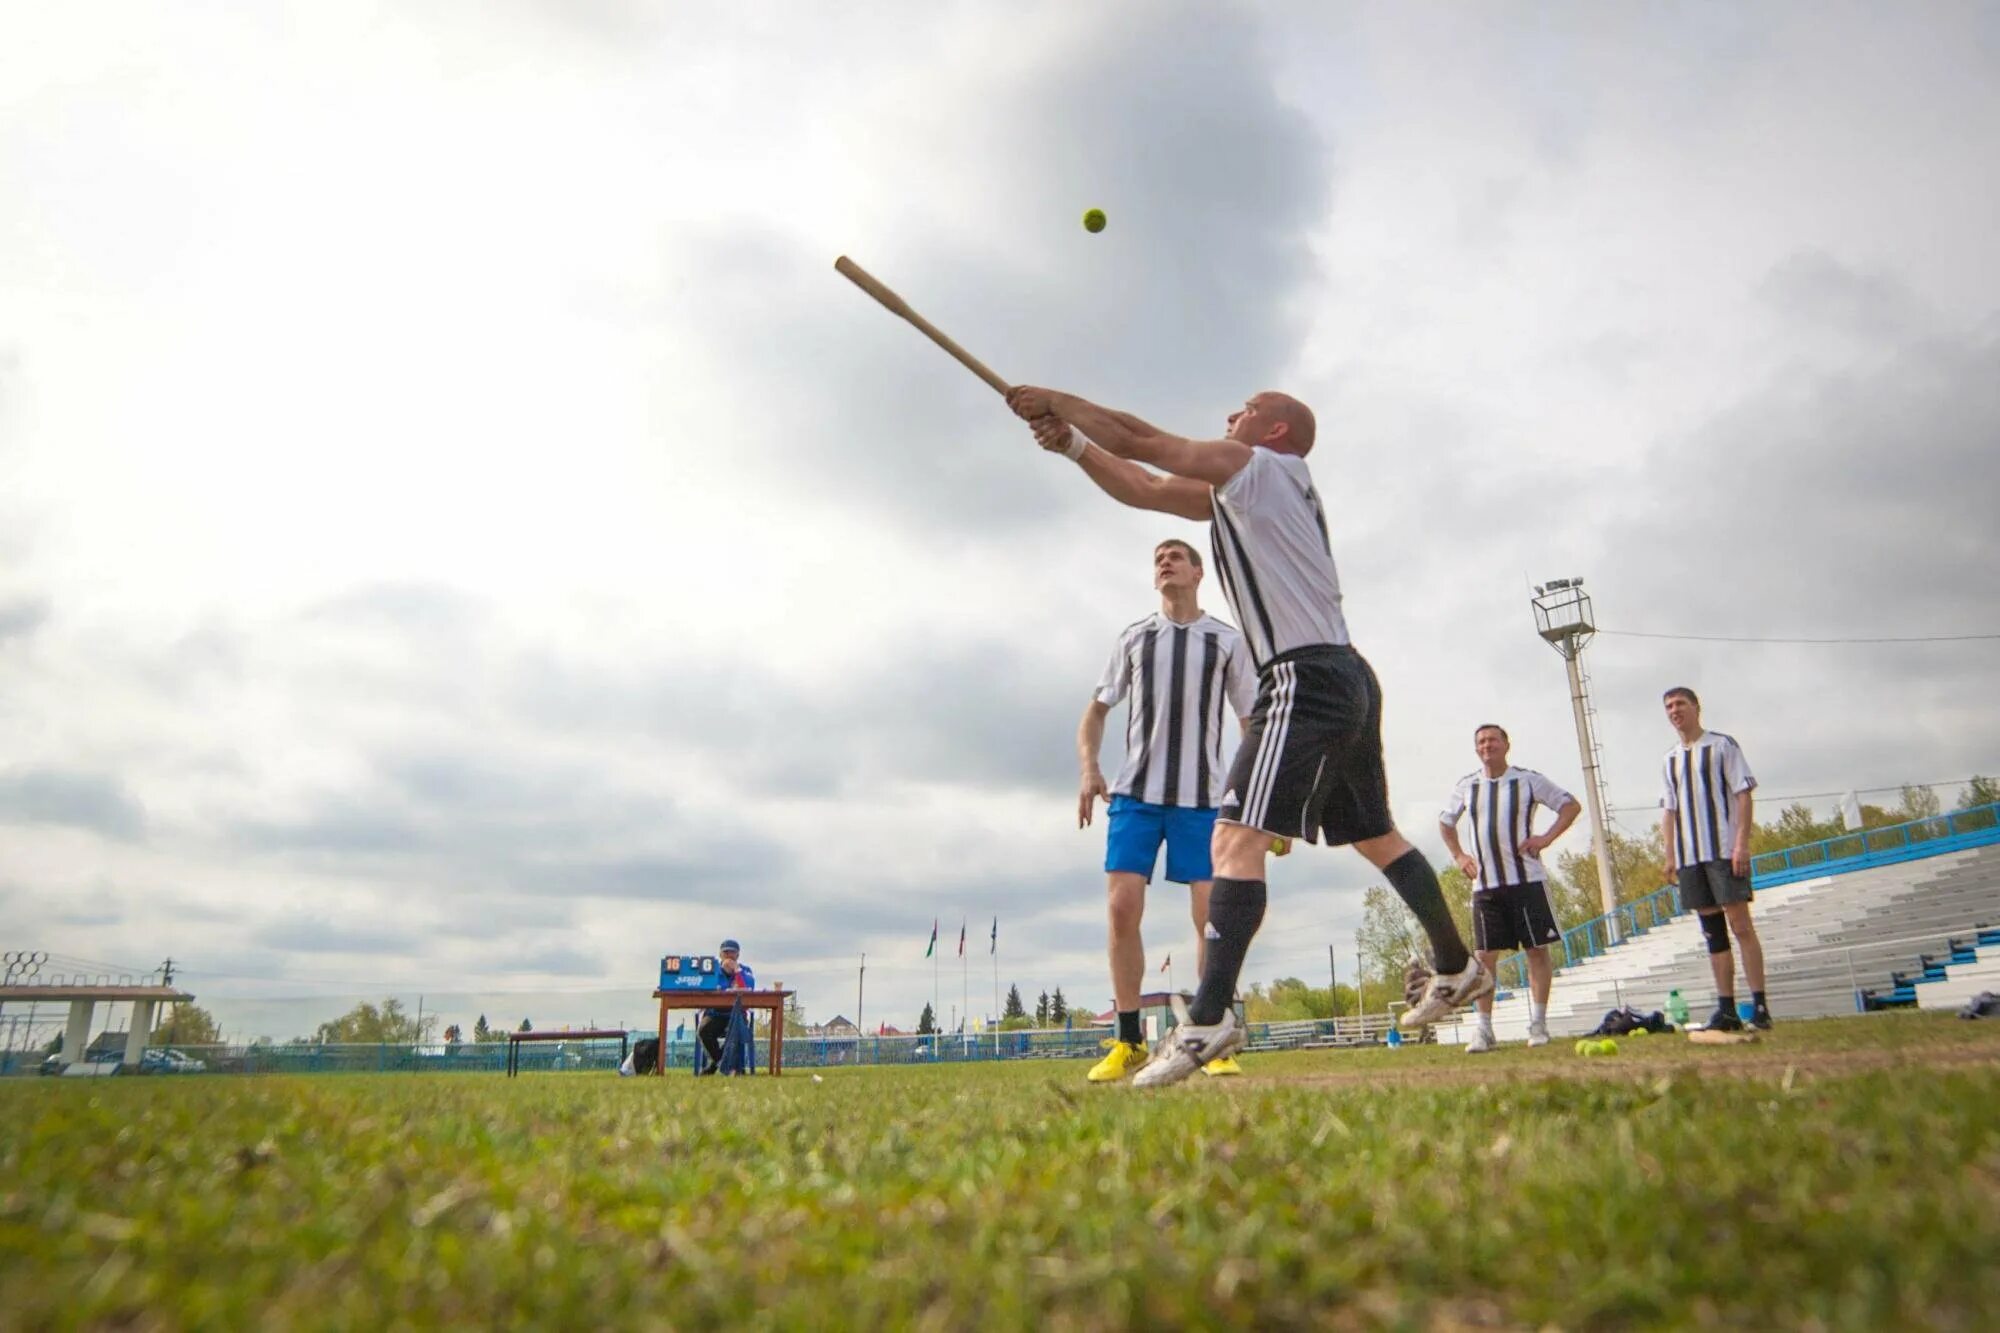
(1137, 828)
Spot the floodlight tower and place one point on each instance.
(1563, 617)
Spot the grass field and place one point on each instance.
(1845, 1174)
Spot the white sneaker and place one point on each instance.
(1538, 1034)
(1482, 1042)
(1188, 1048)
(1444, 994)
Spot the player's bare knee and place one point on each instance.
(1740, 924)
(1125, 901)
(1238, 851)
(1715, 927)
(1385, 850)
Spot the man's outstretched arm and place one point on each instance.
(1211, 462)
(1125, 481)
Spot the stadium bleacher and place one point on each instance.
(1827, 943)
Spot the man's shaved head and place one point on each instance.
(1272, 420)
(1296, 417)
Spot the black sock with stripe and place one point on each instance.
(1411, 876)
(1235, 910)
(1128, 1027)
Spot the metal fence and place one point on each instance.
(1883, 846)
(801, 1051)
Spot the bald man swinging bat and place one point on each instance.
(1311, 759)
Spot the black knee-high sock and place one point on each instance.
(1411, 876)
(1235, 910)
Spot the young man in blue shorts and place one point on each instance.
(1176, 670)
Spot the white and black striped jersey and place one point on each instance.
(1177, 677)
(1276, 561)
(1702, 782)
(1503, 817)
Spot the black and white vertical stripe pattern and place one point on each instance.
(1503, 817)
(1274, 557)
(1702, 783)
(1179, 679)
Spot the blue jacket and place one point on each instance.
(744, 979)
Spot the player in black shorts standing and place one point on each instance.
(1511, 908)
(1310, 764)
(1706, 816)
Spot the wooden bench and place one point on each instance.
(514, 1040)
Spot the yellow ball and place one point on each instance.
(1093, 220)
(1280, 846)
(1607, 1047)
(1585, 1046)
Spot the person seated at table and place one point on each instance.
(736, 975)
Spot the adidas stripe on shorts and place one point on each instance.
(1310, 765)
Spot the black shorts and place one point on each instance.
(1311, 759)
(1712, 884)
(1514, 916)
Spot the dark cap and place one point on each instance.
(730, 946)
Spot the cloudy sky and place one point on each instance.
(458, 535)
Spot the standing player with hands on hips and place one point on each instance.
(1510, 890)
(1311, 758)
(1176, 668)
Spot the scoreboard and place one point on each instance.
(691, 972)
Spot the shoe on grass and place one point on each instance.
(1538, 1034)
(1124, 1059)
(1222, 1068)
(1447, 993)
(1724, 1019)
(1189, 1047)
(1482, 1041)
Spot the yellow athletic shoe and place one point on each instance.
(1125, 1059)
(1218, 1068)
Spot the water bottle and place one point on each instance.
(1677, 1008)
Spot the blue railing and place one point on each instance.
(1859, 850)
(1593, 937)
(1863, 848)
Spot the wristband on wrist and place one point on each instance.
(1077, 445)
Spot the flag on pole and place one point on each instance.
(1169, 963)
(961, 937)
(1850, 812)
(995, 946)
(928, 948)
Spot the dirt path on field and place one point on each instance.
(1636, 1061)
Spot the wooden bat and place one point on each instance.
(896, 305)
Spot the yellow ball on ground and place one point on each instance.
(1638, 1032)
(1607, 1047)
(1093, 220)
(1585, 1046)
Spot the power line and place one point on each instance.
(1731, 638)
(1822, 795)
